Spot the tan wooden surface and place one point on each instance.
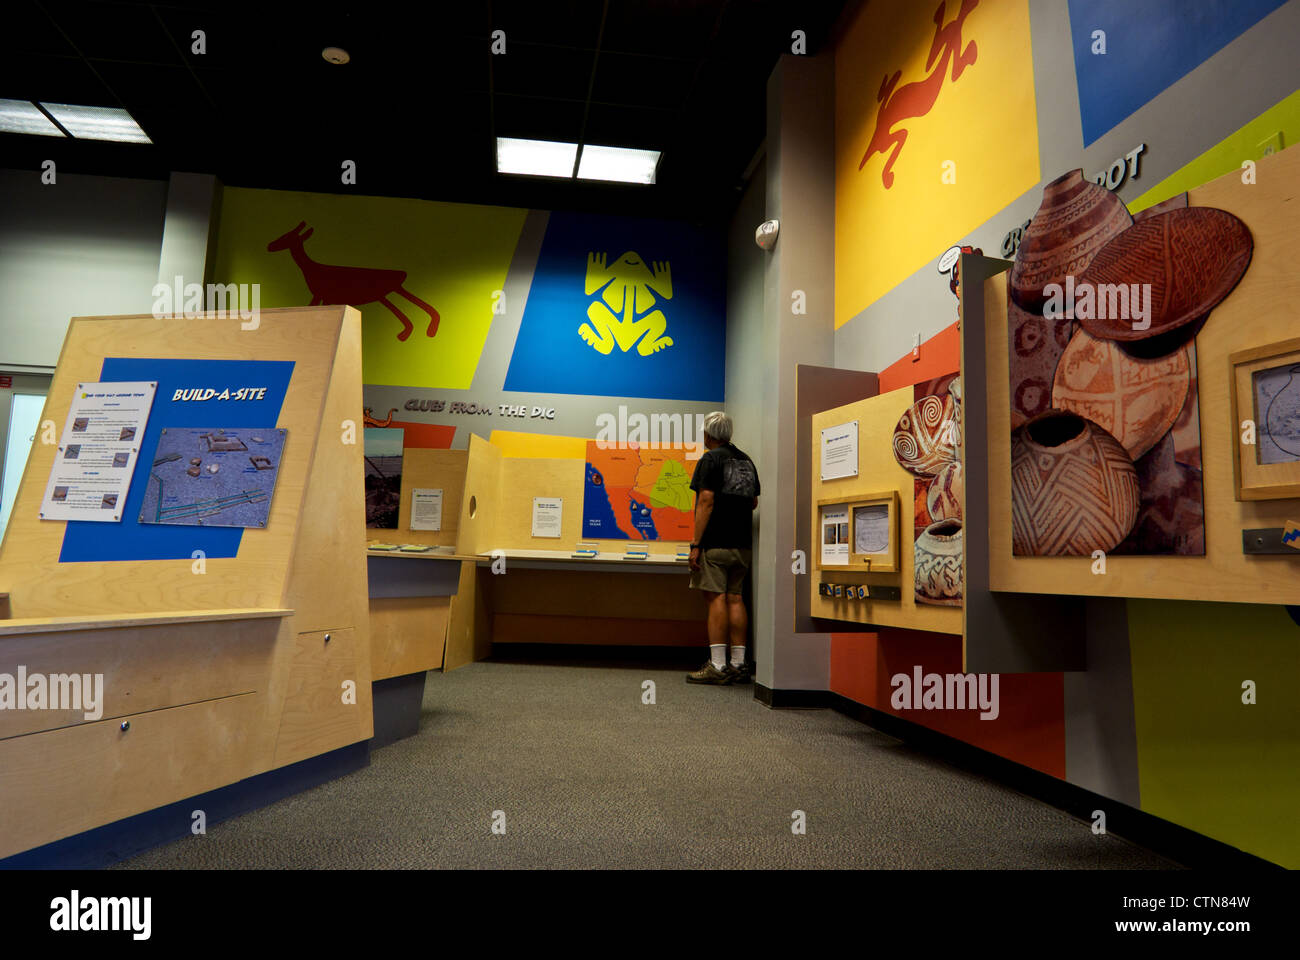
(407, 634)
(615, 594)
(600, 631)
(144, 667)
(1261, 310)
(65, 781)
(469, 629)
(230, 666)
(256, 578)
(58, 624)
(479, 507)
(878, 472)
(424, 469)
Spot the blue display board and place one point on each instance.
(625, 308)
(1150, 45)
(234, 394)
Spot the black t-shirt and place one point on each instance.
(733, 478)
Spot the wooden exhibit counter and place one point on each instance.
(220, 656)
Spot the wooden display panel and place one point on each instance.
(228, 663)
(424, 469)
(878, 472)
(407, 635)
(1261, 310)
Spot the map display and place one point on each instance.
(637, 493)
(215, 478)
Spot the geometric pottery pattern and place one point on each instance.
(927, 435)
(1136, 401)
(938, 565)
(1071, 498)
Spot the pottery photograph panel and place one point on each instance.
(1034, 346)
(938, 564)
(943, 497)
(1191, 257)
(1074, 488)
(1136, 401)
(1171, 513)
(1076, 219)
(927, 435)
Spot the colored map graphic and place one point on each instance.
(636, 493)
(221, 478)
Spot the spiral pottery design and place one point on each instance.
(920, 445)
(938, 564)
(1073, 488)
(1076, 219)
(1136, 401)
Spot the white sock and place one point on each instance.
(718, 653)
(738, 656)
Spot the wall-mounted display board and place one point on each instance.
(225, 652)
(1265, 386)
(1111, 467)
(866, 527)
(881, 480)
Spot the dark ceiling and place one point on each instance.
(420, 103)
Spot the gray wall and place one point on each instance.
(82, 246)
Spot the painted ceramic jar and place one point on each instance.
(1136, 401)
(943, 497)
(1073, 487)
(938, 564)
(927, 435)
(1075, 220)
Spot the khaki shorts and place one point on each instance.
(722, 570)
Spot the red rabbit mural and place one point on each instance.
(918, 98)
(330, 284)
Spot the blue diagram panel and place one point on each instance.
(1149, 45)
(213, 477)
(240, 395)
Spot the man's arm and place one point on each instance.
(703, 510)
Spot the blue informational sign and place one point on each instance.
(1149, 46)
(624, 308)
(231, 394)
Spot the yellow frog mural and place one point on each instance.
(627, 284)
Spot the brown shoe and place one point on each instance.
(709, 674)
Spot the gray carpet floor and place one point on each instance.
(587, 776)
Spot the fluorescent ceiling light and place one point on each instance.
(538, 158)
(21, 116)
(618, 163)
(97, 123)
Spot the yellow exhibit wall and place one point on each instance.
(1261, 310)
(1218, 722)
(913, 168)
(878, 472)
(215, 671)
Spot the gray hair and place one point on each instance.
(718, 426)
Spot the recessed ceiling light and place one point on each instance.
(537, 158)
(97, 123)
(335, 55)
(22, 116)
(622, 164)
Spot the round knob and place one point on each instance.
(327, 638)
(126, 725)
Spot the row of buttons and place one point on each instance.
(843, 591)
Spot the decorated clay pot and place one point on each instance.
(943, 497)
(1073, 487)
(1136, 401)
(1191, 258)
(927, 435)
(1034, 345)
(938, 564)
(1076, 219)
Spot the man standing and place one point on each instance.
(726, 494)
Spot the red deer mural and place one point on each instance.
(330, 284)
(916, 99)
